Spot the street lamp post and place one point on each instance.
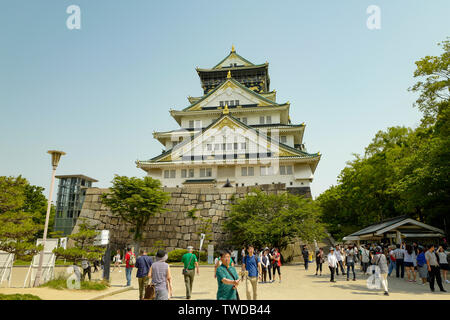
(56, 155)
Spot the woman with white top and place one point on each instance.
(332, 263)
(117, 261)
(409, 262)
(443, 263)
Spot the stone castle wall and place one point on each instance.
(174, 228)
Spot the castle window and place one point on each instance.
(205, 172)
(283, 139)
(261, 120)
(266, 171)
(244, 120)
(247, 171)
(285, 170)
(269, 119)
(191, 173)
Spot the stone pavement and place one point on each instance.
(297, 284)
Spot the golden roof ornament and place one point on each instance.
(232, 48)
(229, 74)
(225, 110)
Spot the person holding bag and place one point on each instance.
(161, 279)
(190, 263)
(227, 279)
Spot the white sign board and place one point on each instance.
(202, 238)
(50, 244)
(210, 254)
(102, 239)
(6, 264)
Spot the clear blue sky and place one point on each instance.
(98, 93)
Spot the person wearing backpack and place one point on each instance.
(252, 264)
(190, 263)
(130, 261)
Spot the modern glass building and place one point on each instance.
(71, 193)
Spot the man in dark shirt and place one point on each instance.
(305, 254)
(143, 264)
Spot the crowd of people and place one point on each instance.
(426, 262)
(409, 261)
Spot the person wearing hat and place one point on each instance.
(161, 277)
(332, 263)
(190, 263)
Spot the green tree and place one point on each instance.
(434, 89)
(83, 245)
(36, 203)
(273, 220)
(135, 201)
(403, 171)
(17, 227)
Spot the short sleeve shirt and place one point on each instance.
(431, 257)
(226, 291)
(251, 265)
(185, 259)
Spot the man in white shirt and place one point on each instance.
(399, 254)
(332, 263)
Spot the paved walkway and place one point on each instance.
(297, 284)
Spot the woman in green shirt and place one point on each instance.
(227, 279)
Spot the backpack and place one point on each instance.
(132, 260)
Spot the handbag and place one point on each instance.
(237, 292)
(150, 292)
(185, 271)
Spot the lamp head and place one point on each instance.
(56, 155)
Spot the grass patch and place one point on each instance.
(60, 283)
(18, 296)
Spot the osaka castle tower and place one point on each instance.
(235, 134)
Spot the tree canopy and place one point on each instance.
(404, 171)
(271, 220)
(18, 227)
(83, 245)
(135, 201)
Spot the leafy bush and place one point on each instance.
(18, 296)
(60, 283)
(177, 254)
